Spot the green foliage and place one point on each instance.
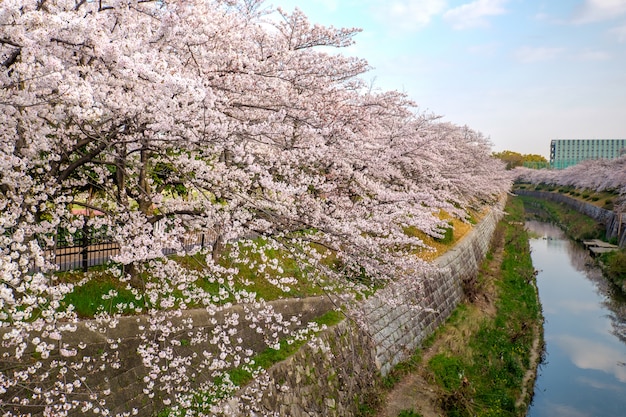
(367, 408)
(409, 413)
(615, 265)
(516, 159)
(486, 378)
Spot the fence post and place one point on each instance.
(85, 248)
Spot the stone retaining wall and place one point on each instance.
(333, 377)
(399, 330)
(608, 218)
(344, 373)
(119, 346)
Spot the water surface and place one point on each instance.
(584, 373)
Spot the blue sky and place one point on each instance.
(521, 72)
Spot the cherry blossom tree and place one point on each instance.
(221, 117)
(594, 174)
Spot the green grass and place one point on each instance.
(91, 296)
(614, 264)
(87, 299)
(402, 369)
(448, 235)
(577, 225)
(485, 378)
(409, 413)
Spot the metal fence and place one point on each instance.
(84, 255)
(87, 248)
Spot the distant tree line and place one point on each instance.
(516, 159)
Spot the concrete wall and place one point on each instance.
(608, 218)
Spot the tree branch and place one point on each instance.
(81, 161)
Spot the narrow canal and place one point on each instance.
(584, 372)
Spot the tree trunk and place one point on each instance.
(218, 248)
(136, 280)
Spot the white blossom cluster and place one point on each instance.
(593, 174)
(151, 120)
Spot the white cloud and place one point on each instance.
(563, 410)
(528, 55)
(410, 14)
(597, 10)
(474, 14)
(593, 55)
(619, 32)
(594, 383)
(486, 49)
(588, 354)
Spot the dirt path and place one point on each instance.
(415, 393)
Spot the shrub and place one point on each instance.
(616, 266)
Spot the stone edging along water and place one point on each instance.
(344, 371)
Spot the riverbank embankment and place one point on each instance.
(483, 361)
(608, 220)
(345, 372)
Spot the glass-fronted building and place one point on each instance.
(568, 152)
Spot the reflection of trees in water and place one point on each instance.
(545, 230)
(619, 328)
(581, 260)
(617, 307)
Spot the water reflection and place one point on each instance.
(588, 354)
(585, 331)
